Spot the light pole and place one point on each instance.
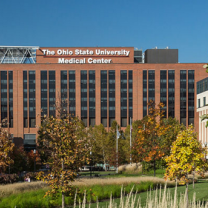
(90, 164)
(205, 154)
(130, 142)
(34, 151)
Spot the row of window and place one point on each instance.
(167, 93)
(107, 96)
(202, 85)
(6, 94)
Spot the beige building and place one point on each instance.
(202, 109)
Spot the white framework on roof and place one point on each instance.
(18, 54)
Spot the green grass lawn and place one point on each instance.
(96, 172)
(201, 190)
(159, 174)
(35, 198)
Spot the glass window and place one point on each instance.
(144, 93)
(123, 97)
(72, 93)
(191, 97)
(29, 142)
(44, 93)
(163, 90)
(183, 96)
(111, 83)
(151, 85)
(84, 96)
(91, 94)
(32, 104)
(130, 94)
(199, 103)
(64, 90)
(4, 98)
(171, 93)
(10, 99)
(52, 93)
(104, 97)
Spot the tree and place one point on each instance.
(6, 147)
(135, 126)
(187, 155)
(148, 145)
(174, 127)
(33, 160)
(111, 146)
(98, 138)
(66, 151)
(19, 156)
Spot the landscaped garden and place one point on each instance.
(162, 148)
(29, 195)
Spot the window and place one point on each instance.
(84, 96)
(111, 81)
(171, 93)
(144, 93)
(29, 142)
(199, 103)
(191, 97)
(151, 85)
(123, 98)
(130, 94)
(183, 96)
(104, 97)
(204, 101)
(92, 97)
(163, 90)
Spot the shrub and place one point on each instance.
(8, 178)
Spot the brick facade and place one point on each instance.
(119, 63)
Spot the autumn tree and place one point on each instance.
(187, 155)
(67, 149)
(148, 145)
(19, 156)
(174, 127)
(33, 160)
(6, 147)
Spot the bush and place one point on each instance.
(8, 178)
(134, 168)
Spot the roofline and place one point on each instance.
(34, 47)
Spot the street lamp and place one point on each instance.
(205, 145)
(90, 164)
(34, 151)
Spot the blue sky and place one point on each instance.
(144, 24)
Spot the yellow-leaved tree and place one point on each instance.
(187, 155)
(66, 147)
(6, 146)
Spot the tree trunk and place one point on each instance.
(63, 201)
(154, 167)
(193, 178)
(186, 194)
(104, 159)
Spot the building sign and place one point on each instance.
(85, 56)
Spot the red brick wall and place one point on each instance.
(18, 69)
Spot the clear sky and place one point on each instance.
(143, 24)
